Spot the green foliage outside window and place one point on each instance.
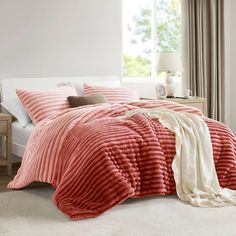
(136, 66)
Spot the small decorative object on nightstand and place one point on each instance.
(6, 135)
(169, 62)
(161, 91)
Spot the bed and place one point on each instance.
(96, 157)
(8, 87)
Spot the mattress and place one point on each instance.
(21, 135)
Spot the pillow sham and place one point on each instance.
(113, 95)
(17, 110)
(86, 100)
(41, 104)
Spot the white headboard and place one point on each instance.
(9, 86)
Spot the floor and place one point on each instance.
(32, 212)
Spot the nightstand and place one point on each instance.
(197, 102)
(6, 135)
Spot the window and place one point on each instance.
(149, 26)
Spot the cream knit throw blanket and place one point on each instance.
(193, 165)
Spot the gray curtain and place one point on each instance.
(203, 52)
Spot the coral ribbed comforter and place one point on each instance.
(95, 161)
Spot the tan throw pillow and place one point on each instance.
(76, 101)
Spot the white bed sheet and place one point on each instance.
(21, 135)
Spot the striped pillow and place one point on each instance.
(40, 104)
(113, 95)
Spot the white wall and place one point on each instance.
(81, 37)
(227, 28)
(60, 38)
(230, 65)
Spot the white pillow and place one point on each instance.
(16, 109)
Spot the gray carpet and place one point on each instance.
(32, 212)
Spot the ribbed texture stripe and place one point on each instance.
(41, 104)
(113, 95)
(95, 161)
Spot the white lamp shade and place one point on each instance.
(169, 61)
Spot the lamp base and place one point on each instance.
(170, 88)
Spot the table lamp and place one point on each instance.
(169, 62)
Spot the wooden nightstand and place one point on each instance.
(6, 135)
(197, 102)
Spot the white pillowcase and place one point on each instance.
(16, 109)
